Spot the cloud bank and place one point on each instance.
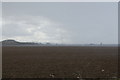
(72, 23)
(33, 29)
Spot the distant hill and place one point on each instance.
(10, 42)
(16, 43)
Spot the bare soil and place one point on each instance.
(63, 62)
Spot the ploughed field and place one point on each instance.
(62, 62)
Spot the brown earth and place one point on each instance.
(63, 62)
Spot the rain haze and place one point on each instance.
(61, 22)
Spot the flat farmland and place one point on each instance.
(61, 61)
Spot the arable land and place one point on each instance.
(59, 61)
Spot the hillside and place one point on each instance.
(16, 43)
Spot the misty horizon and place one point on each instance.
(55, 43)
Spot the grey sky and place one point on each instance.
(60, 0)
(63, 22)
(0, 21)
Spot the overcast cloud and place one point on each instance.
(74, 23)
(0, 21)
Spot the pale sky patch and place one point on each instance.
(32, 29)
